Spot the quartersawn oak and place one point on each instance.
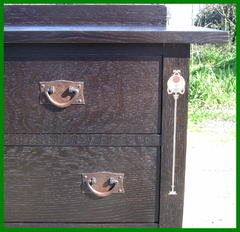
(43, 184)
(171, 206)
(80, 225)
(103, 34)
(121, 96)
(125, 57)
(111, 140)
(91, 24)
(85, 15)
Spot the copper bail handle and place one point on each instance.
(92, 181)
(51, 90)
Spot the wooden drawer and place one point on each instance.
(43, 184)
(121, 92)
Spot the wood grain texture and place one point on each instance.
(85, 14)
(121, 96)
(171, 206)
(80, 225)
(103, 34)
(91, 24)
(74, 51)
(43, 184)
(115, 140)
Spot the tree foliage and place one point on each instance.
(218, 16)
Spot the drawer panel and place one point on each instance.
(43, 184)
(121, 95)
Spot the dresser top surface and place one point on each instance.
(99, 24)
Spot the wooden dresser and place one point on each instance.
(90, 129)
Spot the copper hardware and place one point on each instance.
(103, 184)
(61, 93)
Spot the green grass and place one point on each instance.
(212, 93)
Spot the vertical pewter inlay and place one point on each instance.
(175, 86)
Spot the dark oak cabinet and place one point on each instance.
(89, 122)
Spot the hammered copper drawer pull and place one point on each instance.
(57, 92)
(103, 184)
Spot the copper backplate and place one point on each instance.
(61, 93)
(102, 181)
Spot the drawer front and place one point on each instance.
(121, 96)
(44, 184)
